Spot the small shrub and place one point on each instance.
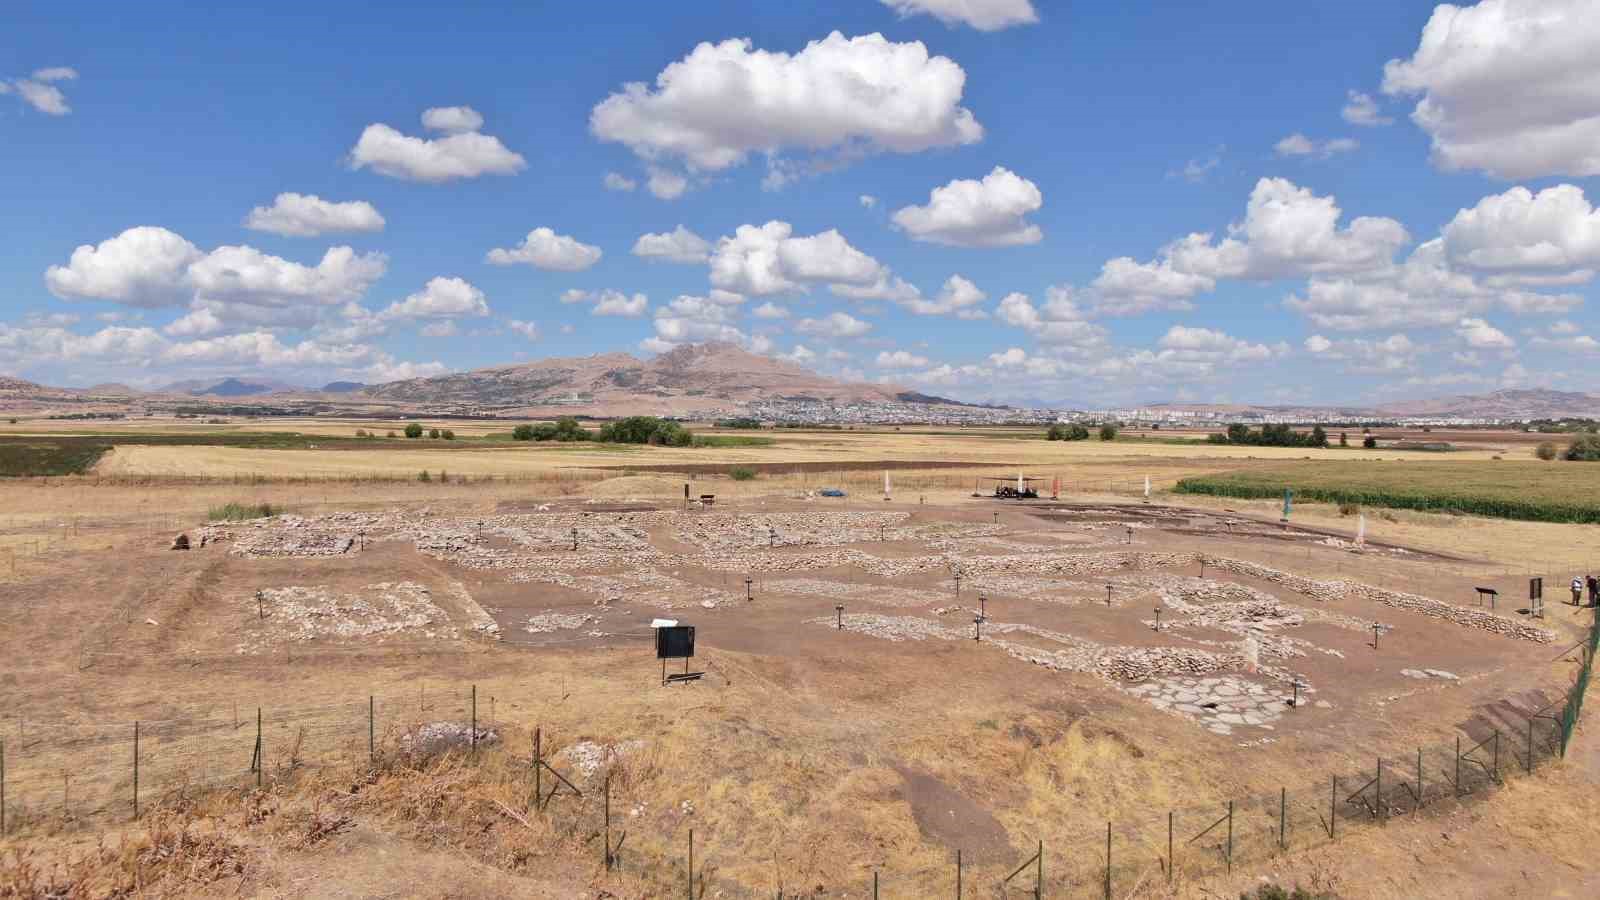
(522, 433)
(742, 473)
(433, 433)
(1344, 439)
(444, 477)
(413, 431)
(1108, 432)
(1349, 509)
(1584, 448)
(390, 434)
(448, 435)
(361, 432)
(1545, 451)
(423, 476)
(1369, 442)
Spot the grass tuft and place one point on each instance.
(241, 512)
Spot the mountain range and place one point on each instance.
(690, 380)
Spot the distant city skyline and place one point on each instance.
(993, 200)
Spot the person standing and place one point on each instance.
(1577, 591)
(1594, 590)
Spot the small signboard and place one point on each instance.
(675, 642)
(1536, 588)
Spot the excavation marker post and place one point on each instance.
(838, 616)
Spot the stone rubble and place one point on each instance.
(589, 757)
(378, 611)
(438, 737)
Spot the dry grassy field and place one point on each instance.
(1134, 660)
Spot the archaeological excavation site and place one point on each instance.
(1086, 696)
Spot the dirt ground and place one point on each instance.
(821, 745)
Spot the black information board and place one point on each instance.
(675, 642)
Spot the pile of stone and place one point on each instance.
(851, 593)
(383, 610)
(1220, 703)
(1423, 674)
(290, 537)
(589, 757)
(737, 531)
(1349, 590)
(546, 623)
(894, 628)
(433, 738)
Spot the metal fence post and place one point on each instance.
(1497, 754)
(261, 763)
(1378, 793)
(372, 731)
(1421, 791)
(1283, 818)
(2, 787)
(1108, 860)
(958, 873)
(474, 721)
(1230, 836)
(1172, 861)
(691, 870)
(538, 765)
(1038, 874)
(136, 769)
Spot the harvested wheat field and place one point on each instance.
(387, 683)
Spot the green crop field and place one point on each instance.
(1536, 491)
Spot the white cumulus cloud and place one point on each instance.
(1298, 144)
(459, 154)
(768, 259)
(970, 213)
(1361, 109)
(679, 245)
(307, 215)
(441, 298)
(452, 119)
(710, 110)
(984, 15)
(1510, 87)
(834, 325)
(900, 359)
(544, 249)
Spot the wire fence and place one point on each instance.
(55, 775)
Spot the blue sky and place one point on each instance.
(1035, 173)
